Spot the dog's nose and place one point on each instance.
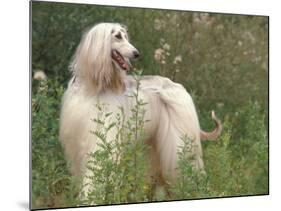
(136, 54)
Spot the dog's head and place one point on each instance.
(121, 49)
(104, 45)
(103, 54)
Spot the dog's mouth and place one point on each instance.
(119, 59)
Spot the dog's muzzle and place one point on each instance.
(123, 63)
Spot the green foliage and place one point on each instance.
(191, 183)
(220, 59)
(236, 164)
(49, 172)
(119, 166)
(240, 160)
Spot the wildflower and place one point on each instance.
(220, 105)
(203, 18)
(166, 46)
(43, 86)
(249, 36)
(196, 18)
(159, 55)
(40, 75)
(157, 24)
(220, 27)
(257, 59)
(177, 59)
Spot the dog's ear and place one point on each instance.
(92, 60)
(124, 27)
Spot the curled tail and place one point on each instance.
(213, 135)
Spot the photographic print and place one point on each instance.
(136, 105)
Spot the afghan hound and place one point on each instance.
(99, 68)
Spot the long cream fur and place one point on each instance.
(97, 79)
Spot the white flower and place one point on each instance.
(220, 105)
(249, 36)
(159, 55)
(43, 87)
(40, 75)
(166, 46)
(162, 40)
(203, 19)
(157, 24)
(220, 27)
(196, 18)
(177, 59)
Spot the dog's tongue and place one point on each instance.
(120, 60)
(125, 66)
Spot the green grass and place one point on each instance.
(224, 67)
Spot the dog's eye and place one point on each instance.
(118, 36)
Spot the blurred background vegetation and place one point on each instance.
(221, 59)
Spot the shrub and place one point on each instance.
(49, 173)
(119, 166)
(236, 164)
